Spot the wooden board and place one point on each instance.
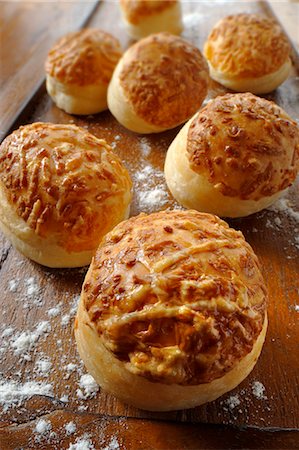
(26, 33)
(30, 292)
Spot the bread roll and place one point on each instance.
(235, 157)
(79, 68)
(160, 82)
(247, 52)
(173, 310)
(144, 17)
(61, 190)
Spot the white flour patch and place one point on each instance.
(13, 394)
(233, 401)
(70, 428)
(258, 390)
(113, 444)
(24, 342)
(88, 386)
(43, 367)
(43, 426)
(82, 443)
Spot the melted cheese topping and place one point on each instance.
(178, 296)
(83, 58)
(165, 79)
(247, 45)
(246, 146)
(63, 181)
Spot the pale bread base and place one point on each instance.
(121, 108)
(75, 99)
(44, 251)
(194, 191)
(168, 20)
(112, 375)
(258, 85)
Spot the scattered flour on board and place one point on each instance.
(43, 426)
(55, 311)
(154, 198)
(24, 342)
(13, 285)
(258, 390)
(14, 394)
(65, 320)
(43, 366)
(64, 398)
(33, 294)
(233, 401)
(70, 428)
(112, 445)
(7, 332)
(150, 189)
(82, 443)
(145, 146)
(89, 387)
(284, 205)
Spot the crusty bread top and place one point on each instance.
(84, 57)
(177, 296)
(137, 10)
(165, 78)
(246, 46)
(64, 183)
(246, 146)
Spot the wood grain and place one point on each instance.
(27, 31)
(123, 433)
(273, 236)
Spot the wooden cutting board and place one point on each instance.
(41, 302)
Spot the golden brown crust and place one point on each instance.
(63, 181)
(247, 45)
(137, 10)
(165, 79)
(176, 295)
(246, 146)
(85, 57)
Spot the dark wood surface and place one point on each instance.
(273, 235)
